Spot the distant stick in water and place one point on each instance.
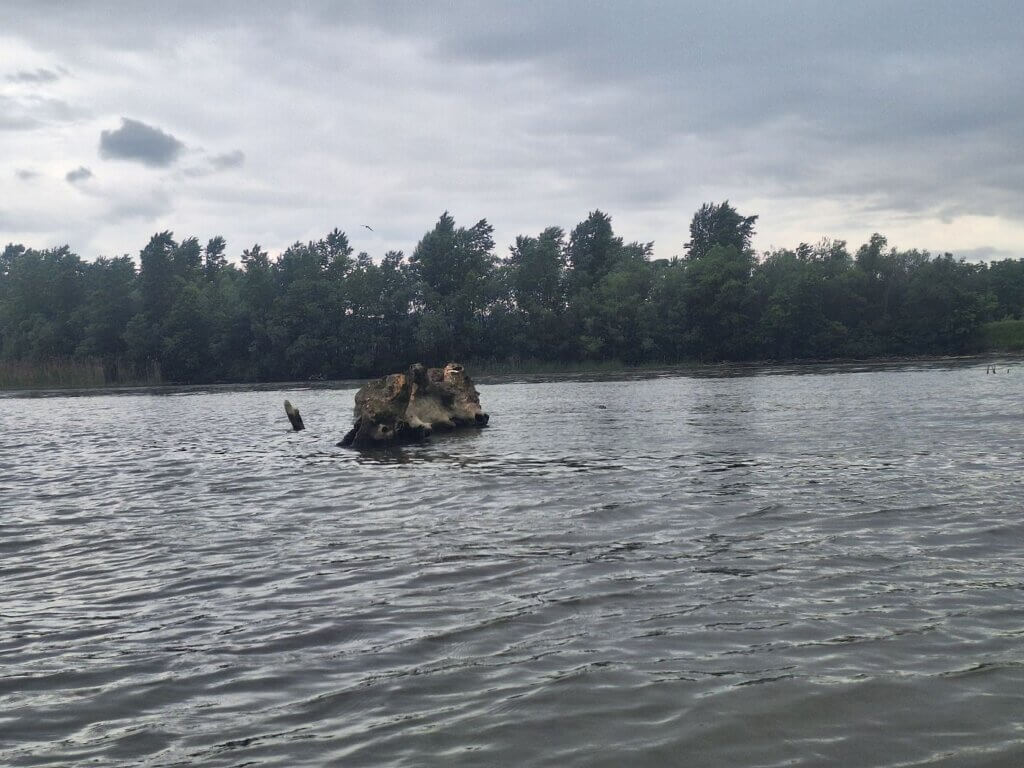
(294, 416)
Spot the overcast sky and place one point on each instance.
(270, 125)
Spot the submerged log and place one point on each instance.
(408, 407)
(294, 416)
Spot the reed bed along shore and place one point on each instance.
(76, 373)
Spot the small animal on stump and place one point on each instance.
(294, 416)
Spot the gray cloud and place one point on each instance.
(81, 173)
(217, 163)
(30, 112)
(145, 207)
(25, 174)
(987, 253)
(233, 159)
(859, 87)
(37, 76)
(15, 122)
(533, 113)
(139, 142)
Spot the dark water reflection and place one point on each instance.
(712, 570)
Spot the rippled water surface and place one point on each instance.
(761, 570)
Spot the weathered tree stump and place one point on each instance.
(408, 407)
(294, 416)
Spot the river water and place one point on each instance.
(781, 568)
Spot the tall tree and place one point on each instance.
(454, 268)
(721, 225)
(188, 260)
(535, 293)
(110, 303)
(593, 250)
(1006, 282)
(41, 297)
(156, 276)
(213, 257)
(718, 304)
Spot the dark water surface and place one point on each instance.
(766, 570)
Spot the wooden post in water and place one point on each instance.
(294, 416)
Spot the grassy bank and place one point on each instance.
(1003, 336)
(75, 373)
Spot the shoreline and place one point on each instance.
(484, 372)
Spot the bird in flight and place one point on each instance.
(368, 227)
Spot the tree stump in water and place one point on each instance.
(407, 407)
(294, 416)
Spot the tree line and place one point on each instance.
(318, 310)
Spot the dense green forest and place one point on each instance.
(185, 314)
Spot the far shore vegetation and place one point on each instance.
(556, 303)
